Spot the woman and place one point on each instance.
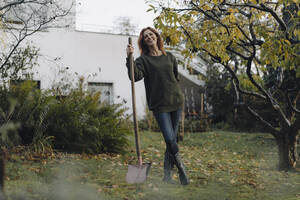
(164, 97)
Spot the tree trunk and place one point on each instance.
(287, 151)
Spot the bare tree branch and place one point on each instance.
(8, 5)
(243, 32)
(210, 17)
(274, 14)
(262, 7)
(237, 53)
(290, 104)
(32, 19)
(272, 129)
(237, 82)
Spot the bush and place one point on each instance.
(77, 122)
(80, 124)
(200, 124)
(29, 110)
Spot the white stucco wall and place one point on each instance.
(86, 53)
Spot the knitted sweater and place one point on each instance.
(160, 75)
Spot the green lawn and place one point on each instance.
(221, 166)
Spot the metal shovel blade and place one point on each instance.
(137, 173)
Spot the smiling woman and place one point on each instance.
(164, 97)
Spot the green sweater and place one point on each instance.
(160, 75)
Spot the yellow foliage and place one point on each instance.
(215, 38)
(297, 33)
(247, 84)
(193, 12)
(232, 18)
(288, 42)
(206, 7)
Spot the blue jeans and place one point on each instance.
(168, 123)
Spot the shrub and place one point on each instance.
(196, 125)
(29, 110)
(74, 123)
(80, 124)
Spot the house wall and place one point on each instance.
(87, 53)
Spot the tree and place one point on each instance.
(19, 19)
(248, 38)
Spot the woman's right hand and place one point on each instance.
(129, 49)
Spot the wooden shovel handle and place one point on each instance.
(135, 123)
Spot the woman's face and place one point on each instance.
(150, 38)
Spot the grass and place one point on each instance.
(221, 166)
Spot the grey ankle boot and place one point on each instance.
(168, 166)
(181, 169)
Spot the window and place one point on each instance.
(105, 89)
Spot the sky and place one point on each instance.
(98, 15)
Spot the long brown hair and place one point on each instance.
(144, 48)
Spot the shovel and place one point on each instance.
(136, 173)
